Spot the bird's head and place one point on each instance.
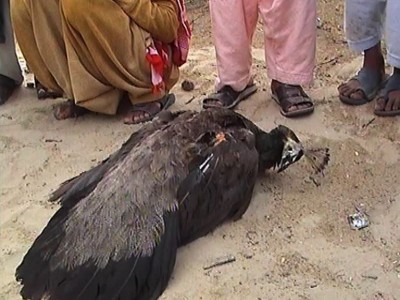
(279, 148)
(292, 148)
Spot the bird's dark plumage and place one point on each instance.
(117, 231)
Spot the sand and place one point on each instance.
(294, 242)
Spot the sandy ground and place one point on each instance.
(294, 241)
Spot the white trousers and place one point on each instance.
(366, 21)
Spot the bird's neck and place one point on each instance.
(269, 147)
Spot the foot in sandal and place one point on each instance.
(68, 109)
(227, 97)
(388, 101)
(364, 87)
(292, 99)
(144, 112)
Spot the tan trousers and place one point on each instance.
(90, 51)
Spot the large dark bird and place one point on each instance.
(120, 223)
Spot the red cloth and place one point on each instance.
(157, 54)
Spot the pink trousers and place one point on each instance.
(289, 38)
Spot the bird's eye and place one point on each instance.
(290, 148)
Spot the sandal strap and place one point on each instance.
(151, 110)
(369, 80)
(148, 108)
(392, 84)
(226, 95)
(228, 90)
(289, 95)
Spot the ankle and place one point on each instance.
(276, 84)
(373, 58)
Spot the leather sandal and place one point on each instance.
(287, 95)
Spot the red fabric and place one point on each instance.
(180, 47)
(156, 61)
(157, 55)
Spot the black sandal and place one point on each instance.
(228, 97)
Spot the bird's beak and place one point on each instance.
(289, 159)
(282, 166)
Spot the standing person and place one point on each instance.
(95, 51)
(10, 71)
(364, 24)
(290, 42)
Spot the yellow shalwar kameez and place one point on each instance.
(95, 50)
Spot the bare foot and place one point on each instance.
(371, 75)
(142, 113)
(352, 89)
(67, 110)
(388, 102)
(392, 104)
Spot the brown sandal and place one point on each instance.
(67, 110)
(287, 95)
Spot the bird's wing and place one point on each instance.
(117, 242)
(219, 186)
(80, 186)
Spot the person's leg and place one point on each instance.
(363, 27)
(37, 26)
(106, 57)
(233, 24)
(290, 51)
(10, 71)
(388, 102)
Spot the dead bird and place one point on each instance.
(120, 223)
